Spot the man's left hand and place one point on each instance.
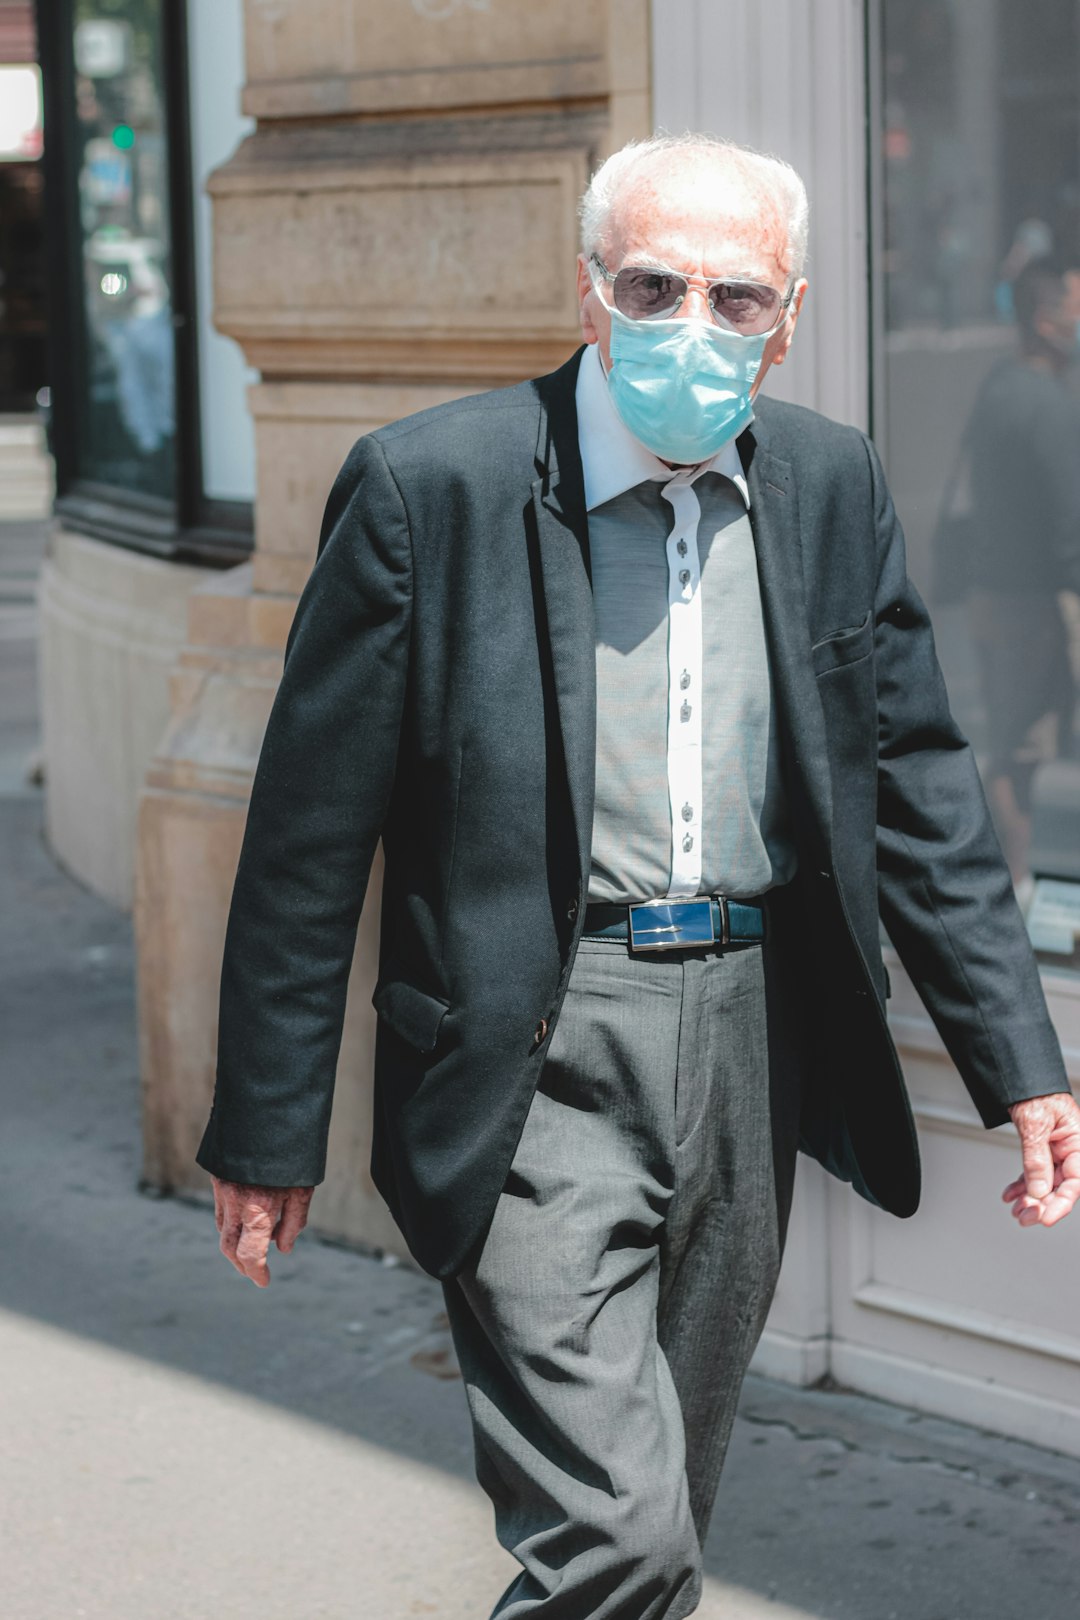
(1049, 1130)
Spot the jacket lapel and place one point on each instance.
(562, 542)
(774, 519)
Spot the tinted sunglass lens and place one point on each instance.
(641, 293)
(746, 306)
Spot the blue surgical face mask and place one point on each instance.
(682, 387)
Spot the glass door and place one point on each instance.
(976, 194)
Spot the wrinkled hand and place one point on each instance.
(249, 1217)
(1049, 1130)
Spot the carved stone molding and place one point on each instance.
(332, 58)
(454, 268)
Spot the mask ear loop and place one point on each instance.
(597, 282)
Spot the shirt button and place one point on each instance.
(688, 812)
(681, 548)
(688, 843)
(685, 712)
(684, 576)
(684, 679)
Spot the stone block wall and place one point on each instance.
(399, 230)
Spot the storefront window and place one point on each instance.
(977, 396)
(22, 271)
(127, 415)
(124, 361)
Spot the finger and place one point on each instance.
(231, 1229)
(1061, 1197)
(254, 1244)
(1058, 1206)
(1060, 1203)
(1066, 1159)
(293, 1218)
(1014, 1190)
(1038, 1165)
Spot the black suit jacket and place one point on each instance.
(439, 692)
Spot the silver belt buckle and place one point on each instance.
(672, 925)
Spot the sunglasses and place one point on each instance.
(645, 292)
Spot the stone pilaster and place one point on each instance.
(399, 230)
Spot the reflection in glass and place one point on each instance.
(980, 277)
(128, 417)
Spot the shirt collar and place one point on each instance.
(612, 460)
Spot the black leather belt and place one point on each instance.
(679, 925)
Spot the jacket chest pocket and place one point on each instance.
(843, 647)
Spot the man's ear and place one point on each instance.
(584, 279)
(585, 302)
(586, 296)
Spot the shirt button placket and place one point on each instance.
(684, 715)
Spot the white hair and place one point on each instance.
(775, 178)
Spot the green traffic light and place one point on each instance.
(123, 137)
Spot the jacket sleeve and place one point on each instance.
(318, 803)
(944, 890)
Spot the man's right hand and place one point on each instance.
(249, 1217)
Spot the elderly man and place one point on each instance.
(624, 667)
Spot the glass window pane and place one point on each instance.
(979, 394)
(127, 420)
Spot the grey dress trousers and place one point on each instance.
(605, 1320)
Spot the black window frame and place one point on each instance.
(194, 527)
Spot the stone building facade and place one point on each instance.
(434, 152)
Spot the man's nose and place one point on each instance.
(695, 305)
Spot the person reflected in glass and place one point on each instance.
(1033, 240)
(1023, 448)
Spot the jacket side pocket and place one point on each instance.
(410, 1013)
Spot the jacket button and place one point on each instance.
(572, 908)
(541, 1033)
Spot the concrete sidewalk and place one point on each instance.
(176, 1445)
